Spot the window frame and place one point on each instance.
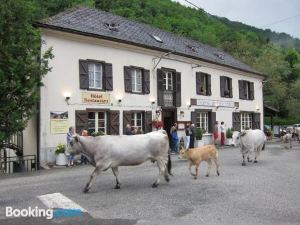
(246, 120)
(97, 120)
(168, 80)
(133, 71)
(94, 63)
(134, 119)
(199, 116)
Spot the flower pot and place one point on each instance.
(228, 141)
(61, 159)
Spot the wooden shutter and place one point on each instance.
(222, 86)
(178, 89)
(160, 93)
(83, 74)
(208, 84)
(81, 120)
(113, 122)
(236, 121)
(212, 121)
(251, 90)
(241, 89)
(148, 121)
(198, 83)
(146, 81)
(256, 121)
(127, 79)
(230, 87)
(108, 77)
(194, 117)
(126, 119)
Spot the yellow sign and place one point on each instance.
(59, 126)
(59, 122)
(95, 98)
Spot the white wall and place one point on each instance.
(68, 49)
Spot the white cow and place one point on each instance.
(249, 141)
(297, 131)
(109, 151)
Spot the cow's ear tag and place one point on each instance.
(76, 139)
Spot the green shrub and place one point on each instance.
(60, 148)
(199, 134)
(95, 134)
(229, 133)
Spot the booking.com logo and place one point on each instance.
(46, 213)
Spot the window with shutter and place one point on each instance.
(114, 122)
(160, 90)
(236, 121)
(203, 83)
(95, 75)
(127, 79)
(146, 81)
(226, 87)
(178, 89)
(246, 90)
(136, 80)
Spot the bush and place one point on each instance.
(95, 134)
(229, 133)
(60, 148)
(199, 133)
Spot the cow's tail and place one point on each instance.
(263, 148)
(169, 164)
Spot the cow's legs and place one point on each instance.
(89, 184)
(243, 163)
(162, 168)
(196, 170)
(217, 162)
(257, 154)
(209, 167)
(190, 169)
(116, 173)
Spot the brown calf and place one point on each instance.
(196, 155)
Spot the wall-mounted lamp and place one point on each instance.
(67, 96)
(157, 113)
(257, 108)
(153, 102)
(181, 113)
(217, 105)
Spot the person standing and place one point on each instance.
(192, 135)
(69, 138)
(174, 139)
(216, 131)
(187, 136)
(128, 130)
(83, 159)
(223, 130)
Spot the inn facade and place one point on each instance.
(109, 71)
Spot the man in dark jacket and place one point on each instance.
(192, 135)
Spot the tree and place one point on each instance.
(21, 66)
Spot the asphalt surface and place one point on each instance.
(264, 193)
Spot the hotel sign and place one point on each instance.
(213, 103)
(95, 98)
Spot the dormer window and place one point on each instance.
(156, 38)
(112, 26)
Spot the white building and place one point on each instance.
(109, 71)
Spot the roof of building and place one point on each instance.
(100, 24)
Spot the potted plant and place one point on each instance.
(61, 159)
(198, 136)
(97, 133)
(229, 133)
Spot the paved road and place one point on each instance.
(264, 193)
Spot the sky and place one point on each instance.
(258, 13)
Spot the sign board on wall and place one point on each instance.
(95, 98)
(213, 103)
(59, 122)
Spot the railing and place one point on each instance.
(15, 142)
(15, 164)
(168, 98)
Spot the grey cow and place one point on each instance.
(110, 151)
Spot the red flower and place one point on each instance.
(157, 124)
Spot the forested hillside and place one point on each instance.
(276, 55)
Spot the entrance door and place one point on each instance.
(168, 119)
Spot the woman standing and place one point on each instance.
(216, 131)
(223, 130)
(69, 138)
